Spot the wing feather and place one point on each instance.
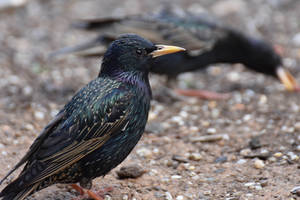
(91, 141)
(37, 142)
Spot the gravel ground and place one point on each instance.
(247, 147)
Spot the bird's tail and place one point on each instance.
(96, 24)
(91, 48)
(94, 47)
(11, 193)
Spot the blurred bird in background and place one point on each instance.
(207, 42)
(98, 128)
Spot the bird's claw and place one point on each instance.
(99, 195)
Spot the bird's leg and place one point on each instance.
(79, 189)
(93, 195)
(99, 195)
(203, 94)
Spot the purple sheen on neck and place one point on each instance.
(136, 79)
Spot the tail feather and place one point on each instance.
(19, 195)
(102, 40)
(94, 24)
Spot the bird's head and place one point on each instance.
(263, 58)
(132, 53)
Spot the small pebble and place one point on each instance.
(39, 115)
(297, 126)
(191, 167)
(165, 180)
(233, 76)
(194, 129)
(176, 177)
(247, 117)
(152, 116)
(144, 152)
(180, 197)
(154, 127)
(258, 187)
(27, 90)
(296, 39)
(195, 156)
(207, 192)
(254, 143)
(296, 191)
(156, 150)
(5, 4)
(4, 153)
(178, 120)
(249, 184)
(221, 159)
(272, 159)
(259, 164)
(263, 182)
(131, 171)
(29, 127)
(277, 154)
(107, 197)
(211, 131)
(196, 177)
(207, 138)
(241, 161)
(183, 114)
(168, 196)
(293, 156)
(245, 152)
(263, 99)
(180, 159)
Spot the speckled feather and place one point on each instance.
(91, 135)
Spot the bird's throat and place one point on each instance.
(136, 79)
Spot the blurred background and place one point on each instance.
(254, 153)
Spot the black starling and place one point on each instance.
(207, 42)
(98, 128)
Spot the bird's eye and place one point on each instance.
(139, 51)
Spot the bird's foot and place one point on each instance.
(98, 195)
(79, 189)
(203, 94)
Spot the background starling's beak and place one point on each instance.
(287, 79)
(165, 49)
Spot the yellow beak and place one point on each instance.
(165, 49)
(287, 79)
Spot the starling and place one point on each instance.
(207, 42)
(98, 128)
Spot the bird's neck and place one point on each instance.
(236, 48)
(136, 79)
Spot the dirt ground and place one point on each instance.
(254, 153)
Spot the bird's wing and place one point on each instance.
(85, 139)
(197, 34)
(189, 31)
(52, 125)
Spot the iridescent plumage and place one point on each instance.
(97, 129)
